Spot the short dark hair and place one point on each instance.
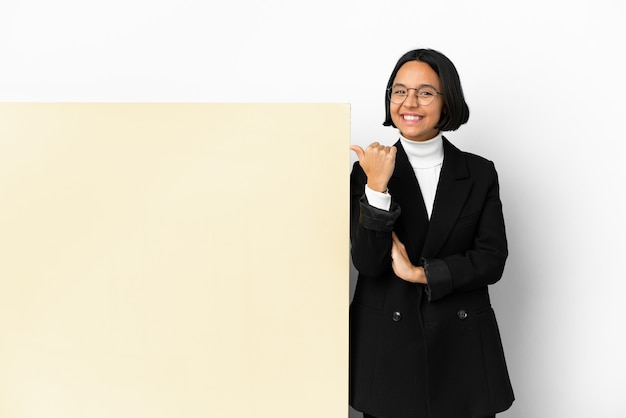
(455, 111)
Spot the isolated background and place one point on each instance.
(545, 84)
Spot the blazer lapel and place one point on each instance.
(412, 225)
(452, 192)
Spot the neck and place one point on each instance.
(424, 154)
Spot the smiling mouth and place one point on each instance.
(412, 117)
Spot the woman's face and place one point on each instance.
(414, 121)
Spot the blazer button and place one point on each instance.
(396, 316)
(462, 314)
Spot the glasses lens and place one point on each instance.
(397, 94)
(426, 95)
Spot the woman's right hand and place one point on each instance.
(378, 162)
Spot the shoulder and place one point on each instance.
(357, 170)
(476, 164)
(357, 178)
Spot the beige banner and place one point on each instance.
(174, 260)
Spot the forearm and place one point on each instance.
(482, 264)
(370, 226)
(371, 237)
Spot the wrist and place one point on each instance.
(420, 275)
(378, 188)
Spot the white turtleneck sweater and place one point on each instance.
(426, 158)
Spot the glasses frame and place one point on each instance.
(390, 94)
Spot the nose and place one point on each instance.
(411, 98)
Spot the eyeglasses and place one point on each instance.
(425, 95)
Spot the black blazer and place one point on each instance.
(429, 350)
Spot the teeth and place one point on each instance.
(412, 117)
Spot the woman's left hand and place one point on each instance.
(402, 266)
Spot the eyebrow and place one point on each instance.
(418, 87)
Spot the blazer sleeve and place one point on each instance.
(370, 228)
(480, 265)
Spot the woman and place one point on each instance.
(428, 237)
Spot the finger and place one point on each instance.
(396, 243)
(388, 152)
(384, 150)
(358, 150)
(394, 252)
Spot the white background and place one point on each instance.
(545, 85)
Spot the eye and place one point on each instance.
(426, 92)
(399, 91)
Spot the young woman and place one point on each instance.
(428, 237)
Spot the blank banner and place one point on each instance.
(174, 260)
